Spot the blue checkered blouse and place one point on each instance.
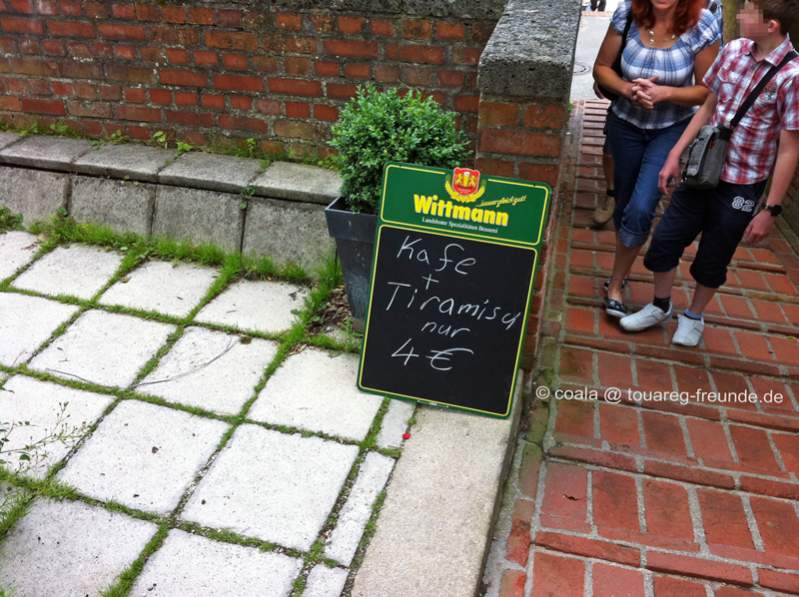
(673, 66)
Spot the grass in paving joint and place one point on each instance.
(233, 267)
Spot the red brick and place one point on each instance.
(669, 586)
(350, 25)
(216, 102)
(341, 90)
(470, 56)
(235, 61)
(778, 526)
(710, 443)
(382, 27)
(294, 129)
(698, 567)
(497, 167)
(137, 113)
(201, 119)
(418, 54)
(43, 106)
(161, 96)
(325, 112)
(577, 364)
(21, 6)
(512, 584)
(780, 284)
(229, 40)
(117, 31)
(575, 419)
(451, 78)
(241, 102)
(53, 47)
(592, 548)
(201, 16)
(10, 103)
(22, 25)
(663, 435)
(228, 18)
(326, 68)
(615, 506)
(183, 77)
(174, 14)
(297, 65)
(205, 58)
(614, 371)
(242, 123)
(515, 142)
(580, 320)
(691, 379)
(135, 95)
(786, 349)
(297, 110)
(754, 449)
(351, 48)
(550, 116)
(719, 340)
(70, 28)
(295, 87)
(288, 21)
(417, 29)
(668, 515)
(539, 172)
(467, 103)
(619, 425)
(736, 306)
(239, 82)
(177, 56)
(450, 31)
(186, 98)
(125, 52)
(556, 576)
(520, 539)
(565, 503)
(270, 107)
(617, 581)
(360, 70)
(768, 311)
(782, 581)
(724, 521)
(498, 114)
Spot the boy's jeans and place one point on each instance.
(639, 155)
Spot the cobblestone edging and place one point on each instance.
(228, 201)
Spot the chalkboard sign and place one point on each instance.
(451, 288)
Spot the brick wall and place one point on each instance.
(243, 69)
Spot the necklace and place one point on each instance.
(652, 37)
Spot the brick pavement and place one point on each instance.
(660, 497)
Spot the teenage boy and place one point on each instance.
(726, 214)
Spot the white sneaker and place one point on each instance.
(645, 318)
(689, 331)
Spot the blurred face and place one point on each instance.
(752, 23)
(663, 5)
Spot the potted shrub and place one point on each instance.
(376, 127)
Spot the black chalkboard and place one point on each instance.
(446, 319)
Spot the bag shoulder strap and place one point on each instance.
(756, 91)
(626, 30)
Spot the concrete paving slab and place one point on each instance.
(143, 456)
(7, 139)
(103, 348)
(316, 390)
(287, 233)
(256, 306)
(271, 485)
(169, 288)
(121, 205)
(69, 549)
(16, 249)
(76, 270)
(299, 182)
(344, 540)
(57, 417)
(45, 152)
(36, 194)
(395, 423)
(26, 322)
(211, 370)
(325, 582)
(125, 160)
(210, 171)
(199, 217)
(447, 555)
(191, 565)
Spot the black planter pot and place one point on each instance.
(355, 236)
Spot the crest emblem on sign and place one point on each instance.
(464, 185)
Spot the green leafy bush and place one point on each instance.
(377, 127)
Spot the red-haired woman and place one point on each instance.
(669, 46)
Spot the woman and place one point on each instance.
(670, 45)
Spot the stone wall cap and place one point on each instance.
(211, 171)
(7, 139)
(46, 152)
(298, 182)
(531, 51)
(461, 9)
(127, 160)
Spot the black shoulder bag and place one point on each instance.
(707, 152)
(616, 66)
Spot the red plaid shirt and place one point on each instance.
(753, 147)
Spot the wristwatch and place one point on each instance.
(774, 210)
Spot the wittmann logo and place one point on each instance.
(464, 185)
